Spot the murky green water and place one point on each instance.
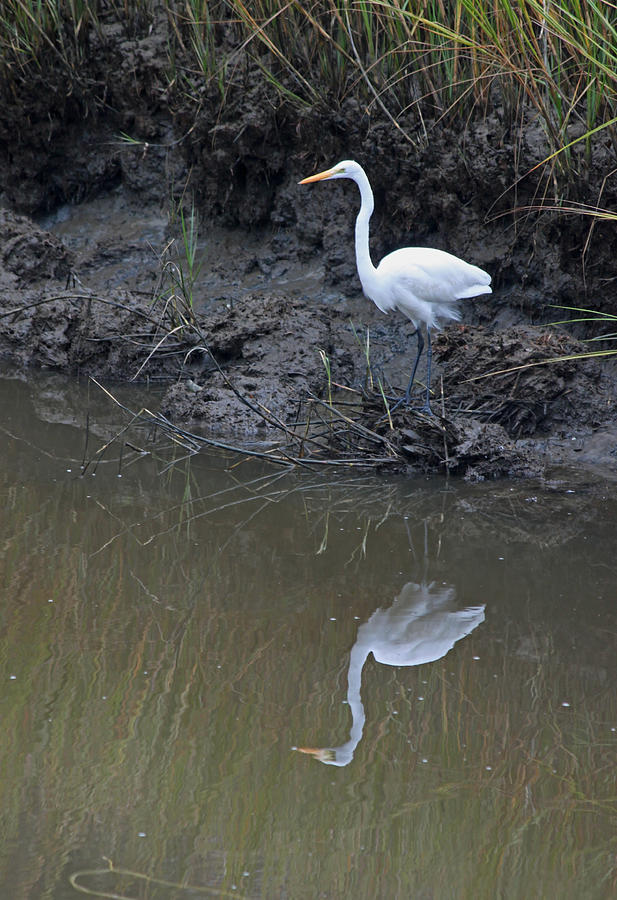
(168, 638)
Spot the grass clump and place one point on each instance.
(418, 60)
(30, 29)
(431, 57)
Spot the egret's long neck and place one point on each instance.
(354, 697)
(363, 256)
(343, 755)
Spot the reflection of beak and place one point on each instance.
(324, 754)
(319, 177)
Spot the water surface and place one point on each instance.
(171, 633)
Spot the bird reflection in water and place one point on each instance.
(421, 626)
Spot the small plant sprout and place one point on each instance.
(385, 402)
(365, 346)
(326, 364)
(190, 241)
(181, 268)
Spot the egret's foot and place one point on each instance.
(404, 401)
(426, 409)
(396, 404)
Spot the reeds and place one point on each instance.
(423, 59)
(439, 58)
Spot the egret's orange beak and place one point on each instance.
(319, 177)
(323, 754)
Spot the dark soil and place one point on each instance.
(226, 362)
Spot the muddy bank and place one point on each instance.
(253, 366)
(256, 341)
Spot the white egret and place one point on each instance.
(422, 283)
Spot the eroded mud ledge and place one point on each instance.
(241, 165)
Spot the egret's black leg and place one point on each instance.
(429, 358)
(417, 360)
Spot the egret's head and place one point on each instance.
(347, 168)
(325, 755)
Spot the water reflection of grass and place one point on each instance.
(171, 712)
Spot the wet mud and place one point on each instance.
(91, 250)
